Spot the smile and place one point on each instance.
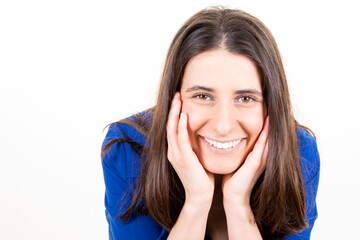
(222, 145)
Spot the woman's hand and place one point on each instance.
(237, 186)
(197, 182)
(237, 189)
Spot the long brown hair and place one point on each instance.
(278, 198)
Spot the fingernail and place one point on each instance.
(182, 117)
(174, 98)
(177, 95)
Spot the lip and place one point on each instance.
(218, 150)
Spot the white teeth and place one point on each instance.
(220, 145)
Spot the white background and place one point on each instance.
(70, 67)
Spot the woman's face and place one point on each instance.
(221, 94)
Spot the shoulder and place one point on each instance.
(308, 155)
(310, 170)
(120, 157)
(124, 129)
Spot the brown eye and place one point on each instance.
(202, 97)
(245, 99)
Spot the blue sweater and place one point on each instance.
(121, 167)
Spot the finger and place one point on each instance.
(172, 124)
(174, 112)
(264, 155)
(255, 161)
(183, 137)
(261, 142)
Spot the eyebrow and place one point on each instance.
(243, 91)
(247, 91)
(197, 87)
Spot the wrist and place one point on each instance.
(240, 212)
(199, 200)
(236, 202)
(197, 204)
(191, 223)
(195, 210)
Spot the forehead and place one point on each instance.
(221, 69)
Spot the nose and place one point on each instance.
(223, 119)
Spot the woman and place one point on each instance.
(220, 156)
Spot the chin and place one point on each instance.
(223, 166)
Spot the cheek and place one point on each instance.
(253, 123)
(196, 115)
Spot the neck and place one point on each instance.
(216, 225)
(217, 202)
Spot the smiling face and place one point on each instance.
(221, 93)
